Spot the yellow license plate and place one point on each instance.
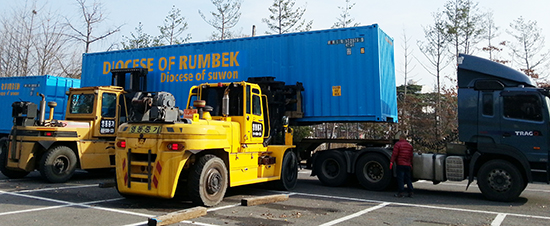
(145, 129)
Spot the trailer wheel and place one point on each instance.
(330, 167)
(373, 172)
(499, 180)
(207, 181)
(58, 164)
(289, 172)
(12, 174)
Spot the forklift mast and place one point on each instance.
(137, 79)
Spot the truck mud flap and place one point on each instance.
(471, 168)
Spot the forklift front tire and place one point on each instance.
(58, 164)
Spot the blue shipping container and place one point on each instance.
(348, 74)
(28, 89)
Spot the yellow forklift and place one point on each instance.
(84, 140)
(233, 134)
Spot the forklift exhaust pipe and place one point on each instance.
(225, 105)
(52, 105)
(225, 101)
(199, 104)
(42, 110)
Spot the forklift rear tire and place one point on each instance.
(12, 174)
(289, 172)
(58, 164)
(330, 167)
(208, 181)
(500, 180)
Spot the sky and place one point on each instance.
(397, 18)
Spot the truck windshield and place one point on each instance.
(82, 104)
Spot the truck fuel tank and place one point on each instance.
(425, 166)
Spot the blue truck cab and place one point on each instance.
(503, 120)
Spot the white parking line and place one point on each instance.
(77, 204)
(88, 204)
(459, 184)
(56, 207)
(57, 188)
(222, 207)
(185, 222)
(498, 220)
(355, 214)
(425, 206)
(50, 189)
(193, 222)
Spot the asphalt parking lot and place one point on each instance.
(31, 201)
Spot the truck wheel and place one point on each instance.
(330, 167)
(499, 180)
(289, 172)
(58, 164)
(373, 172)
(207, 181)
(12, 174)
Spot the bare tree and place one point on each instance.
(434, 48)
(27, 44)
(92, 16)
(174, 26)
(408, 58)
(285, 19)
(345, 19)
(227, 15)
(528, 48)
(17, 32)
(51, 45)
(140, 39)
(33, 42)
(11, 49)
(435, 51)
(491, 33)
(464, 25)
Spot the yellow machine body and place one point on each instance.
(147, 162)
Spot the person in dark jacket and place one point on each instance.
(403, 156)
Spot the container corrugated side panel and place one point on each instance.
(367, 92)
(55, 90)
(28, 89)
(17, 89)
(387, 82)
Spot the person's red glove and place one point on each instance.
(391, 165)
